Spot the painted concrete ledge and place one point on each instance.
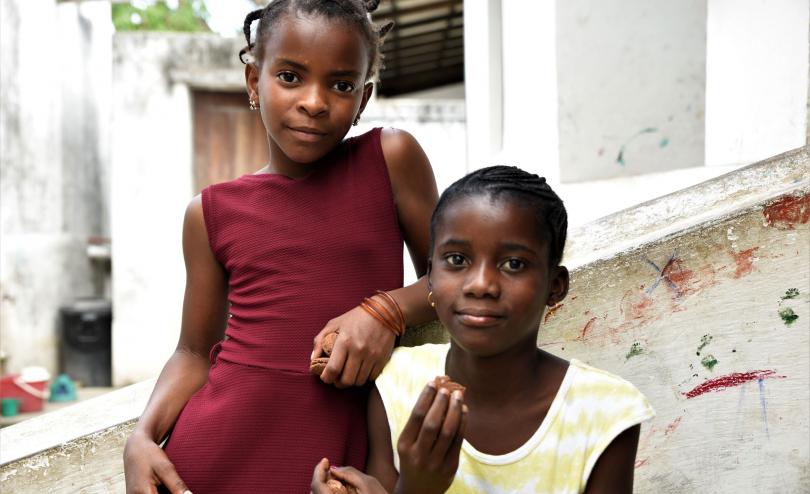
(78, 449)
(687, 209)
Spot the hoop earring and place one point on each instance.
(356, 120)
(254, 105)
(430, 299)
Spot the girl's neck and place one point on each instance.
(522, 372)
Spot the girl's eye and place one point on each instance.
(513, 265)
(455, 259)
(287, 77)
(344, 87)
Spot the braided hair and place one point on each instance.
(353, 12)
(511, 183)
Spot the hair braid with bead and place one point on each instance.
(512, 183)
(353, 12)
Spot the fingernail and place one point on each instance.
(457, 395)
(464, 408)
(186, 491)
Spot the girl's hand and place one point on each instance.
(362, 349)
(430, 443)
(146, 466)
(355, 481)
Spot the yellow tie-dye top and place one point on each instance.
(590, 409)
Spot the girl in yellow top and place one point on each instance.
(528, 422)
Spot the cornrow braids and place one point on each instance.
(353, 12)
(511, 183)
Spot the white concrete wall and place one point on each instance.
(757, 78)
(54, 91)
(632, 82)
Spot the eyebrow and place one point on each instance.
(304, 68)
(451, 242)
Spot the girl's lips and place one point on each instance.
(307, 134)
(481, 320)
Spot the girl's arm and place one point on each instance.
(203, 325)
(613, 471)
(428, 447)
(365, 344)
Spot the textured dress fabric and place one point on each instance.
(297, 253)
(590, 409)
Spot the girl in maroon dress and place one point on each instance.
(272, 258)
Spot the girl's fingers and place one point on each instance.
(170, 479)
(336, 362)
(363, 374)
(449, 428)
(432, 424)
(317, 345)
(414, 424)
(455, 447)
(321, 472)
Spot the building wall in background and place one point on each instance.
(53, 178)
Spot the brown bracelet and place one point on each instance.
(376, 308)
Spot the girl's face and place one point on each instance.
(310, 87)
(490, 274)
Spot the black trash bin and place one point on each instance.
(85, 350)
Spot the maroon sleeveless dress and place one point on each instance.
(297, 254)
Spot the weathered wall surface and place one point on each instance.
(53, 167)
(709, 320)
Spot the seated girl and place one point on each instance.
(528, 420)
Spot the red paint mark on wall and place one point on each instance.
(744, 261)
(588, 326)
(641, 462)
(786, 212)
(729, 381)
(672, 426)
(637, 309)
(550, 312)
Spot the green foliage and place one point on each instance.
(188, 16)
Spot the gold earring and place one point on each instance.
(254, 105)
(430, 299)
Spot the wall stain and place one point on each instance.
(786, 212)
(704, 340)
(585, 329)
(551, 310)
(788, 316)
(729, 381)
(761, 383)
(672, 426)
(620, 156)
(744, 261)
(635, 349)
(790, 293)
(708, 361)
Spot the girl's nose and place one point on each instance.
(482, 281)
(313, 101)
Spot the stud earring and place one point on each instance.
(254, 105)
(356, 120)
(430, 299)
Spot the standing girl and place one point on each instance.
(272, 257)
(530, 421)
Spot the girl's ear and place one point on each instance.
(559, 286)
(252, 81)
(367, 90)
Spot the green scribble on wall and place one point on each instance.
(709, 361)
(790, 293)
(788, 316)
(645, 130)
(635, 349)
(704, 340)
(663, 143)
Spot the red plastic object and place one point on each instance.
(32, 395)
